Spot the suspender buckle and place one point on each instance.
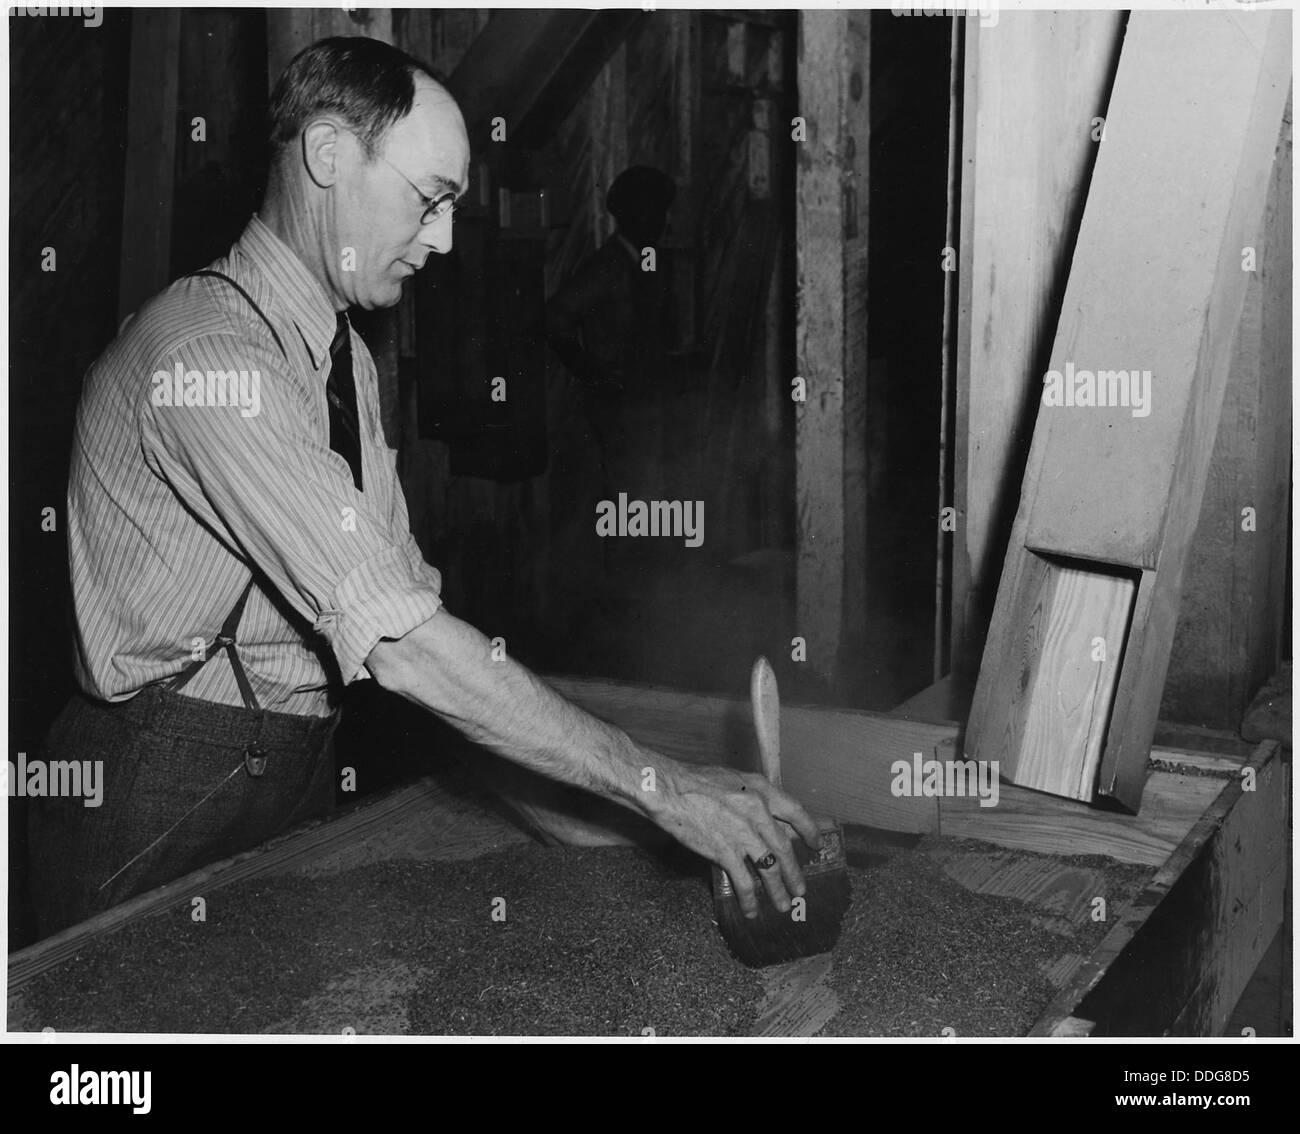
(254, 759)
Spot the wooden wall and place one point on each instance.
(68, 92)
(701, 96)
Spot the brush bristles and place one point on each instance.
(774, 937)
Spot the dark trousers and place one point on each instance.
(176, 796)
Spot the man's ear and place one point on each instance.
(320, 151)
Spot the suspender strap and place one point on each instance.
(225, 639)
(251, 302)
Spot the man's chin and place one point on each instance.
(390, 297)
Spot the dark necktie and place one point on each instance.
(341, 392)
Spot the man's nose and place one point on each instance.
(438, 236)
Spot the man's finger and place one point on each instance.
(790, 810)
(742, 883)
(777, 836)
(768, 863)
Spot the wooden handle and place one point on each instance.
(767, 718)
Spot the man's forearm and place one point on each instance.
(447, 666)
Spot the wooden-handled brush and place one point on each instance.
(813, 925)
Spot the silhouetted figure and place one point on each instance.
(606, 324)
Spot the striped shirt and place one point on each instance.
(201, 454)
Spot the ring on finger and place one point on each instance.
(766, 862)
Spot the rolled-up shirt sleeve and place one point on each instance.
(261, 475)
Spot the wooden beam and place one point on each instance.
(530, 66)
(289, 30)
(831, 335)
(1230, 623)
(835, 761)
(150, 156)
(580, 60)
(1179, 957)
(1156, 288)
(840, 762)
(1034, 85)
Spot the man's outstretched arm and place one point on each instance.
(446, 665)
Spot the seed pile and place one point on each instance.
(583, 942)
(920, 953)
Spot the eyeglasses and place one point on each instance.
(433, 210)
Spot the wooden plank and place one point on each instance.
(797, 1000)
(835, 761)
(1179, 956)
(947, 367)
(840, 762)
(1029, 820)
(150, 156)
(1196, 105)
(1062, 892)
(1230, 622)
(1049, 718)
(1034, 83)
(1107, 489)
(830, 336)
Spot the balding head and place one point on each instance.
(365, 82)
(366, 141)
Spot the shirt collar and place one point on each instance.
(295, 289)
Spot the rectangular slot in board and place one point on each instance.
(1049, 717)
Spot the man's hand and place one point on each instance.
(447, 666)
(729, 816)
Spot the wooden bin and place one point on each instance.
(1213, 828)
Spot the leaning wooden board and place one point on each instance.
(1209, 911)
(1079, 645)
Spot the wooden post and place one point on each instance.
(150, 156)
(1114, 488)
(1034, 85)
(831, 334)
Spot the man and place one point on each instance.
(606, 322)
(237, 531)
(609, 408)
